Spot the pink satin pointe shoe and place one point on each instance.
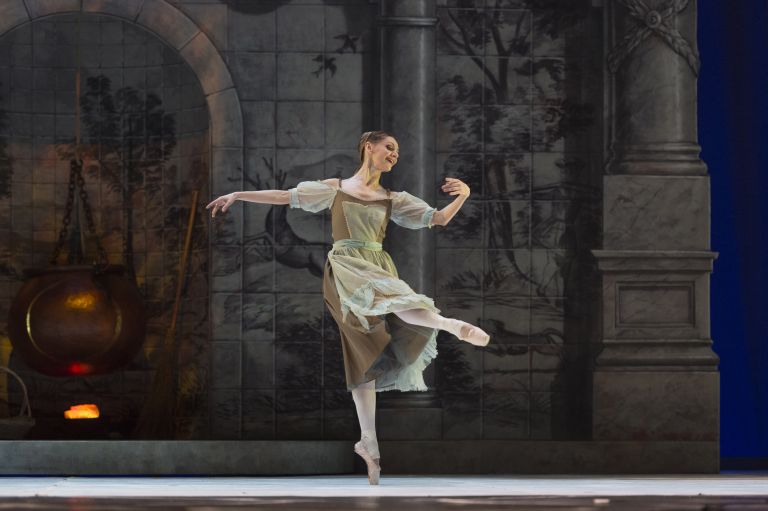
(371, 458)
(470, 333)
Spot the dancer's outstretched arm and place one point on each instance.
(315, 197)
(454, 187)
(412, 212)
(262, 196)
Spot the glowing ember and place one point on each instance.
(88, 411)
(79, 368)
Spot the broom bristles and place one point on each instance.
(157, 415)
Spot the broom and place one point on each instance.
(157, 416)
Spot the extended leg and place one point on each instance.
(461, 329)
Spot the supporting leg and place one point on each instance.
(368, 447)
(364, 397)
(461, 329)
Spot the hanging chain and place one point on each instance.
(76, 179)
(67, 214)
(103, 260)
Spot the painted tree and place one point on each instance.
(127, 140)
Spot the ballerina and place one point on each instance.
(388, 331)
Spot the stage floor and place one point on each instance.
(743, 490)
(742, 483)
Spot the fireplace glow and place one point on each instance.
(79, 368)
(87, 411)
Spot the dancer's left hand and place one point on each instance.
(455, 187)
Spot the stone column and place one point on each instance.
(656, 375)
(406, 108)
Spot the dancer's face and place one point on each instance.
(384, 153)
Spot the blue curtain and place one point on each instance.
(733, 132)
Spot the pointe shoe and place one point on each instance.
(374, 468)
(470, 333)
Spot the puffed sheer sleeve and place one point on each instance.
(410, 211)
(312, 196)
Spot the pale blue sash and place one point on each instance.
(349, 242)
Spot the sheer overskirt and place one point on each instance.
(363, 290)
(369, 286)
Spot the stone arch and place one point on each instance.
(171, 26)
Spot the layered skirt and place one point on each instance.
(362, 291)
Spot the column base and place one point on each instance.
(655, 354)
(656, 405)
(409, 416)
(664, 159)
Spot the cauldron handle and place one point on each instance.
(25, 405)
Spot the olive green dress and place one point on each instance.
(362, 289)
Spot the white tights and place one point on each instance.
(365, 403)
(423, 317)
(364, 395)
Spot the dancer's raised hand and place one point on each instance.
(223, 203)
(455, 186)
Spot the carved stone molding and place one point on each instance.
(656, 310)
(652, 104)
(658, 22)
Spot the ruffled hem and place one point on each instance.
(401, 297)
(411, 377)
(379, 293)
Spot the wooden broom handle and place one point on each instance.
(183, 265)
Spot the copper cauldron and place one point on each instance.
(77, 319)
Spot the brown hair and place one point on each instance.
(373, 137)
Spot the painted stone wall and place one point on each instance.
(303, 71)
(519, 119)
